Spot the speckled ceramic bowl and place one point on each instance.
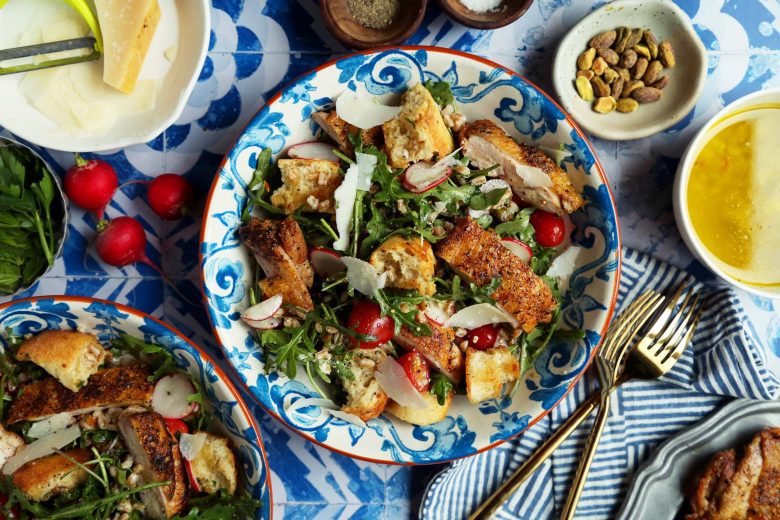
(686, 79)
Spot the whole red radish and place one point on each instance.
(170, 196)
(91, 184)
(122, 241)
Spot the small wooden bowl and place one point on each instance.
(508, 12)
(340, 22)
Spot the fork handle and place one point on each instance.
(575, 492)
(542, 453)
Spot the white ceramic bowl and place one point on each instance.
(680, 199)
(185, 24)
(686, 80)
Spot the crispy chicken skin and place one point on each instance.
(339, 130)
(43, 478)
(741, 488)
(479, 256)
(485, 144)
(438, 349)
(70, 356)
(118, 386)
(156, 450)
(281, 251)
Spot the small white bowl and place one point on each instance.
(680, 199)
(184, 25)
(686, 80)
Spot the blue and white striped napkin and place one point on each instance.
(725, 360)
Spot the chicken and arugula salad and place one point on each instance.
(109, 432)
(407, 256)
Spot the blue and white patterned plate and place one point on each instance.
(482, 89)
(107, 320)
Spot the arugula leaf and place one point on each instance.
(403, 310)
(441, 386)
(441, 91)
(221, 506)
(472, 293)
(520, 228)
(482, 201)
(257, 188)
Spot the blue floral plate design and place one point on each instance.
(482, 89)
(106, 320)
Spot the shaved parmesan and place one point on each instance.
(475, 316)
(366, 164)
(362, 276)
(304, 402)
(345, 203)
(363, 111)
(494, 184)
(392, 377)
(42, 447)
(348, 417)
(48, 426)
(191, 444)
(532, 176)
(563, 266)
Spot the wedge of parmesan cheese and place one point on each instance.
(128, 27)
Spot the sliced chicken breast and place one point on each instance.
(531, 174)
(281, 251)
(438, 349)
(156, 450)
(112, 387)
(480, 257)
(339, 130)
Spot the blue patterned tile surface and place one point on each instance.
(256, 48)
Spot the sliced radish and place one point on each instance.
(475, 316)
(392, 377)
(263, 310)
(41, 448)
(170, 394)
(348, 417)
(191, 476)
(313, 150)
(267, 324)
(519, 248)
(438, 311)
(326, 262)
(191, 444)
(363, 111)
(363, 277)
(424, 175)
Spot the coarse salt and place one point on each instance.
(481, 6)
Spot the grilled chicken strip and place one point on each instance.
(43, 478)
(438, 349)
(339, 130)
(486, 145)
(280, 249)
(111, 387)
(480, 257)
(156, 450)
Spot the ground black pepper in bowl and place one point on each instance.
(375, 14)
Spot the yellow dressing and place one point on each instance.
(734, 195)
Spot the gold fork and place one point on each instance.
(655, 354)
(632, 318)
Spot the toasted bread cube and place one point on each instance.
(422, 417)
(365, 397)
(339, 130)
(418, 132)
(70, 356)
(487, 371)
(409, 262)
(9, 443)
(214, 466)
(307, 184)
(43, 478)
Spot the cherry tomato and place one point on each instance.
(483, 337)
(417, 370)
(191, 476)
(366, 318)
(549, 228)
(13, 513)
(177, 426)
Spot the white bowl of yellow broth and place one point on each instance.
(727, 194)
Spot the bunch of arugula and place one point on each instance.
(30, 220)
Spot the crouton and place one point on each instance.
(9, 443)
(487, 371)
(422, 417)
(214, 467)
(339, 130)
(365, 397)
(308, 184)
(418, 132)
(409, 263)
(43, 478)
(70, 356)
